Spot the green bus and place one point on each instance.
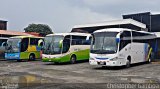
(23, 48)
(66, 47)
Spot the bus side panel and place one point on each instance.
(81, 51)
(124, 54)
(82, 55)
(65, 58)
(25, 55)
(59, 59)
(138, 52)
(31, 49)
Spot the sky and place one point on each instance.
(62, 15)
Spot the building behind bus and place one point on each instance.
(139, 21)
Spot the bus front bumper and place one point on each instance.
(12, 56)
(51, 59)
(105, 63)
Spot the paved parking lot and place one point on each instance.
(37, 74)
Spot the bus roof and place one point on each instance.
(120, 30)
(149, 34)
(25, 37)
(73, 33)
(113, 30)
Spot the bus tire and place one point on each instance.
(31, 57)
(128, 63)
(73, 59)
(149, 60)
(150, 57)
(19, 60)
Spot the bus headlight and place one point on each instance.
(91, 58)
(114, 59)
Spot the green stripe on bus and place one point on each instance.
(25, 55)
(80, 55)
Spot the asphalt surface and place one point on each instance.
(40, 75)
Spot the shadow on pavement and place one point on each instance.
(120, 67)
(68, 63)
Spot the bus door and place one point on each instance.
(66, 44)
(125, 44)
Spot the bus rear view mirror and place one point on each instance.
(117, 40)
(88, 37)
(40, 42)
(4, 44)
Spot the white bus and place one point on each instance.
(66, 47)
(119, 46)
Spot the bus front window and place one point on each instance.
(104, 43)
(51, 45)
(13, 45)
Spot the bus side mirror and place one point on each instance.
(40, 42)
(117, 40)
(4, 44)
(60, 43)
(88, 37)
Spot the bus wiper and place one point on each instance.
(97, 51)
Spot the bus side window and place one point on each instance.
(79, 40)
(24, 44)
(34, 41)
(66, 44)
(139, 37)
(125, 39)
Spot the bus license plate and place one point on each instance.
(101, 63)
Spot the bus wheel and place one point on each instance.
(19, 60)
(128, 63)
(149, 60)
(31, 57)
(73, 59)
(150, 57)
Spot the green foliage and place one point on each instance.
(39, 28)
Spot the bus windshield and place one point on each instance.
(51, 45)
(104, 43)
(13, 45)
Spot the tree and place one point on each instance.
(43, 29)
